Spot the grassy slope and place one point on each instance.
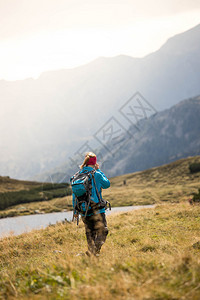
(172, 182)
(10, 185)
(149, 254)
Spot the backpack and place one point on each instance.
(81, 183)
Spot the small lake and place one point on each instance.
(21, 224)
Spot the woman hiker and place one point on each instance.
(95, 219)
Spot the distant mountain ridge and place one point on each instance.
(163, 138)
(168, 136)
(40, 120)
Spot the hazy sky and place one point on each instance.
(40, 35)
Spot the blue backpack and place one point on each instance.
(81, 184)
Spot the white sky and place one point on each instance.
(41, 35)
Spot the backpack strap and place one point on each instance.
(97, 192)
(92, 173)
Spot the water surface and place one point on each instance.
(21, 224)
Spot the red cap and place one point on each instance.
(92, 161)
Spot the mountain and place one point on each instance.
(160, 139)
(44, 121)
(165, 137)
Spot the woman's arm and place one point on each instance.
(105, 183)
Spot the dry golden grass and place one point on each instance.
(149, 254)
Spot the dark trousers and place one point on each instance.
(96, 231)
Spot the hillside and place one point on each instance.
(168, 183)
(8, 184)
(41, 115)
(16, 194)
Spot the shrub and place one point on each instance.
(194, 167)
(196, 196)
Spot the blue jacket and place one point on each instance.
(101, 182)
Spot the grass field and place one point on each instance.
(149, 254)
(169, 183)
